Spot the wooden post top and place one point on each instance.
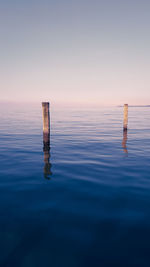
(45, 104)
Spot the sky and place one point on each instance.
(75, 51)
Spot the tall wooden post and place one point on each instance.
(125, 121)
(46, 139)
(46, 124)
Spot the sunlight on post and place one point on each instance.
(125, 122)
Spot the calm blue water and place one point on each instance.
(93, 208)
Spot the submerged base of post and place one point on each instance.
(46, 142)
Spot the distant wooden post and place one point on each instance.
(46, 124)
(125, 122)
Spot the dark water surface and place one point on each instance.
(93, 209)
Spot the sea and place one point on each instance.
(83, 202)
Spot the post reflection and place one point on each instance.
(47, 164)
(124, 141)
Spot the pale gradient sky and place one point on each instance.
(81, 51)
